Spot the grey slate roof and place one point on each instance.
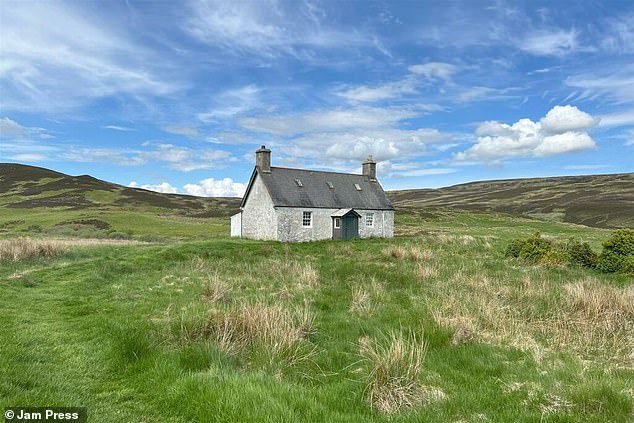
(315, 191)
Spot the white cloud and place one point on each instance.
(344, 137)
(185, 131)
(550, 43)
(365, 93)
(396, 89)
(562, 119)
(57, 56)
(163, 187)
(29, 157)
(562, 130)
(614, 83)
(476, 93)
(427, 172)
(327, 120)
(119, 128)
(434, 70)
(211, 187)
(11, 128)
(586, 167)
(232, 103)
(617, 119)
(185, 159)
(268, 28)
(567, 142)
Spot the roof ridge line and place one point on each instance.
(317, 171)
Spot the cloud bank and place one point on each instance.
(562, 130)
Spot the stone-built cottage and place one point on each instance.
(306, 205)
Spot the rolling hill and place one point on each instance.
(604, 201)
(28, 187)
(42, 202)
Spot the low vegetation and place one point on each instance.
(435, 325)
(28, 249)
(394, 380)
(617, 254)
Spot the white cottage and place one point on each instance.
(294, 205)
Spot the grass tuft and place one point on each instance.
(257, 325)
(396, 364)
(27, 249)
(594, 300)
(216, 289)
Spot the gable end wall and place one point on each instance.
(259, 219)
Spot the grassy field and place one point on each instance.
(434, 325)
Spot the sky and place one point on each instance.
(177, 96)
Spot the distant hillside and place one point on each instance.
(605, 201)
(30, 187)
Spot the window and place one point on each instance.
(337, 222)
(358, 187)
(307, 219)
(299, 183)
(369, 219)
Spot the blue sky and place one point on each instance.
(176, 96)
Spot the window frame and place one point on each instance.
(337, 223)
(369, 217)
(310, 219)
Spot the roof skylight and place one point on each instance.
(299, 182)
(358, 187)
(330, 185)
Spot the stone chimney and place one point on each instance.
(369, 168)
(263, 159)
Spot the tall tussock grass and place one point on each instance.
(396, 364)
(594, 300)
(255, 331)
(26, 249)
(407, 252)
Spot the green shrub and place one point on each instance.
(628, 265)
(514, 248)
(555, 256)
(617, 252)
(621, 242)
(535, 248)
(580, 253)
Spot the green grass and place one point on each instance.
(147, 225)
(128, 331)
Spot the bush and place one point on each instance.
(628, 265)
(514, 248)
(533, 249)
(536, 249)
(618, 251)
(555, 256)
(580, 253)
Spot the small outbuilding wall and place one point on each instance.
(236, 225)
